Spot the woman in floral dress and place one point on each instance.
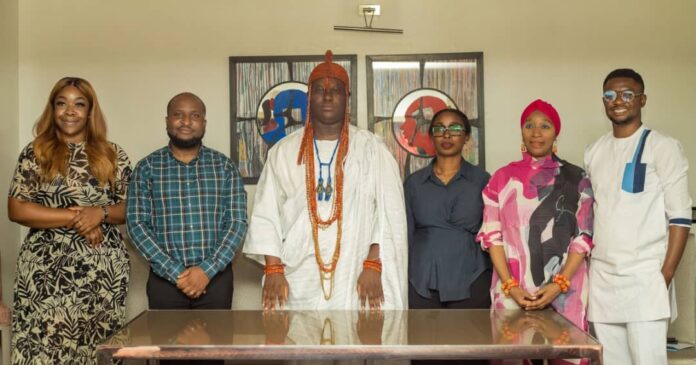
(537, 224)
(72, 271)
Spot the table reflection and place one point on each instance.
(298, 335)
(274, 327)
(343, 328)
(193, 333)
(532, 327)
(415, 327)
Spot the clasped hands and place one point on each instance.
(539, 300)
(87, 223)
(192, 282)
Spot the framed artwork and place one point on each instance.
(405, 91)
(268, 100)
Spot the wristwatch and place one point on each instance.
(105, 209)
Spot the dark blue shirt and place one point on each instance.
(443, 221)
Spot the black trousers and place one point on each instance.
(161, 294)
(480, 299)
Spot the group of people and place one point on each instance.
(335, 228)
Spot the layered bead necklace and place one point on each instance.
(319, 192)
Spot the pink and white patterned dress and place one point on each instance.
(539, 211)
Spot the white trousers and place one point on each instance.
(633, 343)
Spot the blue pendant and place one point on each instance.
(320, 189)
(328, 190)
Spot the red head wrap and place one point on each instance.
(547, 109)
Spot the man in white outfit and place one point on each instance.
(329, 220)
(642, 218)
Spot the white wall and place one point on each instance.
(138, 54)
(9, 104)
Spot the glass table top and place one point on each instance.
(345, 328)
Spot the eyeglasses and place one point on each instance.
(454, 130)
(627, 96)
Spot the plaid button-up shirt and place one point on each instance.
(186, 214)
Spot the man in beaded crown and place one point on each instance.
(329, 221)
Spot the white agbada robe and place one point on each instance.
(631, 228)
(373, 212)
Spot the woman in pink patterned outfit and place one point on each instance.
(537, 224)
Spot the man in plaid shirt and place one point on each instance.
(186, 214)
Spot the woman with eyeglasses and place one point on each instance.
(537, 224)
(446, 268)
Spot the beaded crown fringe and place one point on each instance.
(306, 157)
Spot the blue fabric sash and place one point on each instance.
(634, 173)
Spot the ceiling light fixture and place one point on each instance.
(370, 10)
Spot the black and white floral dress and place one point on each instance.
(69, 296)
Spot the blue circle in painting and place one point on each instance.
(283, 107)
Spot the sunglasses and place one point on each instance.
(454, 130)
(627, 96)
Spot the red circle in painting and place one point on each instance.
(412, 117)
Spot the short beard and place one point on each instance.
(185, 143)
